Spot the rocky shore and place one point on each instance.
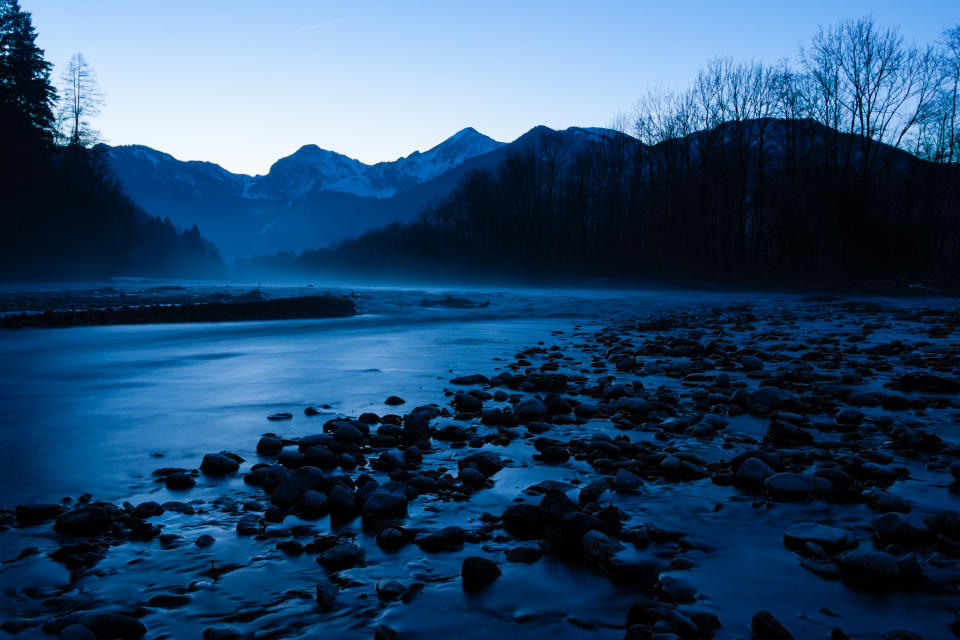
(649, 452)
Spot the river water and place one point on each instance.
(96, 409)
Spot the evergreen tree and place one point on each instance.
(25, 87)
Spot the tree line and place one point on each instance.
(841, 163)
(64, 216)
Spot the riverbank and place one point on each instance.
(676, 473)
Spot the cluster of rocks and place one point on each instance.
(829, 432)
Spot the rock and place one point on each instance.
(446, 539)
(676, 591)
(249, 525)
(268, 445)
(326, 594)
(204, 541)
(388, 500)
(599, 548)
(955, 471)
(886, 502)
(321, 458)
(797, 486)
(290, 458)
(114, 626)
(384, 632)
(634, 406)
(37, 512)
(390, 590)
(470, 380)
(832, 539)
(344, 555)
(314, 502)
(771, 398)
(472, 478)
(531, 409)
(675, 467)
(557, 405)
(147, 509)
(180, 481)
(283, 415)
(487, 462)
(898, 528)
(478, 573)
(341, 501)
(878, 472)
(751, 363)
(289, 492)
(626, 480)
(168, 601)
(466, 403)
(525, 555)
(928, 383)
(849, 416)
(754, 471)
(310, 411)
(85, 521)
(392, 539)
(780, 431)
(348, 433)
(218, 464)
(523, 521)
(554, 454)
(221, 633)
(901, 634)
(76, 632)
(765, 627)
(869, 565)
(393, 401)
(416, 424)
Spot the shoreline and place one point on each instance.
(618, 438)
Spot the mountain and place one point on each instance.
(313, 197)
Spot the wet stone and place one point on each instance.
(478, 573)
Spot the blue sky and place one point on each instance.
(244, 83)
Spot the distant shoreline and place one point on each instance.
(279, 309)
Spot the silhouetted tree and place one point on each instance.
(25, 88)
(80, 101)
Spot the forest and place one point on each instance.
(64, 216)
(840, 164)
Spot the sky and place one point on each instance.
(244, 83)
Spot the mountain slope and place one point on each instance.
(316, 197)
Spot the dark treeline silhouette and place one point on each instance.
(842, 165)
(63, 214)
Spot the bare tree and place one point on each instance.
(80, 101)
(871, 83)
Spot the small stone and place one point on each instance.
(765, 627)
(390, 590)
(478, 573)
(218, 464)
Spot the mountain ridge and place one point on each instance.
(312, 197)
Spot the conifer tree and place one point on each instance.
(25, 89)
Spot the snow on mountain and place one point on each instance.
(385, 179)
(309, 168)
